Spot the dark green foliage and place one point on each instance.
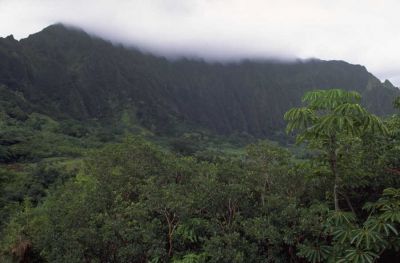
(330, 121)
(184, 146)
(132, 202)
(66, 73)
(345, 239)
(76, 186)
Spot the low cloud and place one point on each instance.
(361, 32)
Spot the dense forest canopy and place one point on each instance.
(126, 199)
(110, 155)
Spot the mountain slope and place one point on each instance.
(68, 74)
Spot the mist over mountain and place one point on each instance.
(66, 73)
(112, 154)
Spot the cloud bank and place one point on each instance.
(363, 32)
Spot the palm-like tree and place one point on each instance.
(327, 116)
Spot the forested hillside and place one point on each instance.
(111, 155)
(66, 73)
(78, 197)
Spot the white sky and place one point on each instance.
(358, 31)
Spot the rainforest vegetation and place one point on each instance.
(112, 155)
(65, 73)
(75, 193)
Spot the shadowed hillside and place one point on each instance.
(66, 73)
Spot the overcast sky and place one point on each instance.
(358, 31)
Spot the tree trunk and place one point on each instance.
(346, 197)
(333, 163)
(335, 195)
(264, 192)
(172, 224)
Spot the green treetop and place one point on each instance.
(327, 117)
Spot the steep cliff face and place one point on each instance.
(67, 73)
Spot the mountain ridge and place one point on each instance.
(71, 74)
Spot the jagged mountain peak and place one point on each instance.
(70, 74)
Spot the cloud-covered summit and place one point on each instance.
(360, 32)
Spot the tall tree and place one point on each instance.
(327, 118)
